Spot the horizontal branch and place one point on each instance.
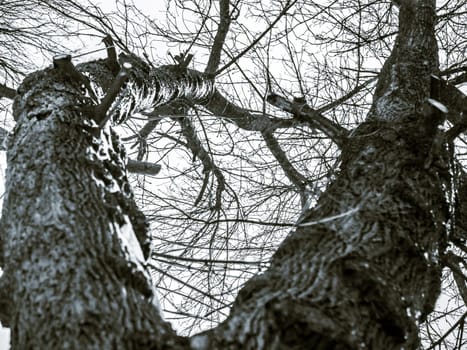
(244, 118)
(209, 261)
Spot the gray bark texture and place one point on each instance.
(361, 270)
(73, 279)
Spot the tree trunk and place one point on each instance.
(74, 276)
(360, 270)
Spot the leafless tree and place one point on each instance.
(312, 150)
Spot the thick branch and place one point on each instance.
(148, 88)
(455, 102)
(243, 118)
(169, 83)
(112, 61)
(7, 92)
(316, 120)
(404, 81)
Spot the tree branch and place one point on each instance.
(145, 168)
(100, 111)
(243, 118)
(222, 30)
(297, 179)
(144, 132)
(451, 260)
(456, 103)
(313, 118)
(253, 44)
(404, 81)
(348, 95)
(194, 143)
(7, 92)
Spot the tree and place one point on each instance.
(360, 269)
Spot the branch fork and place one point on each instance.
(305, 113)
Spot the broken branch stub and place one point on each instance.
(100, 111)
(64, 64)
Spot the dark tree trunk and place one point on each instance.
(74, 277)
(360, 270)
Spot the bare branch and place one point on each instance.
(100, 111)
(111, 55)
(144, 132)
(222, 30)
(243, 118)
(452, 261)
(315, 119)
(253, 44)
(7, 92)
(144, 168)
(458, 323)
(348, 95)
(194, 143)
(297, 179)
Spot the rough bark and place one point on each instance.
(405, 80)
(73, 278)
(360, 270)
